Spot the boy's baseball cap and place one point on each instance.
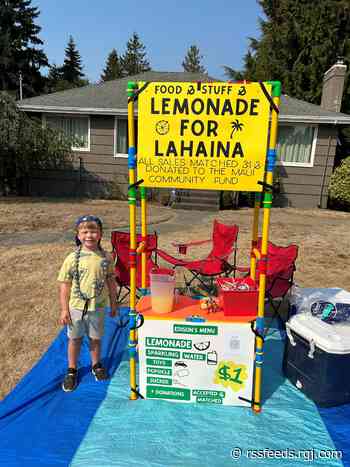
(86, 218)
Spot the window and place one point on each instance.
(121, 140)
(74, 127)
(296, 145)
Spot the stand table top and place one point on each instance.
(187, 307)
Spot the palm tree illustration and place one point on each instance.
(236, 126)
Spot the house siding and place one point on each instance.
(92, 173)
(307, 187)
(97, 173)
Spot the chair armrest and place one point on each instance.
(170, 259)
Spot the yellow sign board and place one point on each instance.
(209, 136)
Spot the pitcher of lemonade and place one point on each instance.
(162, 290)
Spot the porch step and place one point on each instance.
(196, 207)
(201, 200)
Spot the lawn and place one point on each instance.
(28, 273)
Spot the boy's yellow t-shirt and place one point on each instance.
(94, 268)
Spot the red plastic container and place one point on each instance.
(237, 302)
(182, 248)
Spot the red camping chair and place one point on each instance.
(224, 242)
(120, 252)
(279, 275)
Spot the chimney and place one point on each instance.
(333, 86)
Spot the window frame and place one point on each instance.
(71, 116)
(313, 146)
(115, 137)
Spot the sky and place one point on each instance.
(220, 29)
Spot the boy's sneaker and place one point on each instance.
(99, 372)
(70, 381)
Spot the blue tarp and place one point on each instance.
(40, 425)
(97, 425)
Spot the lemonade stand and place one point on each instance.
(212, 136)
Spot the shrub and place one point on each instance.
(118, 187)
(339, 187)
(26, 145)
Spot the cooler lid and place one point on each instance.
(332, 338)
(306, 296)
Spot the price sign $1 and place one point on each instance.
(231, 374)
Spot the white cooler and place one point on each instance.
(317, 359)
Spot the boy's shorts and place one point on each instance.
(92, 325)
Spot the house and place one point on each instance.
(97, 116)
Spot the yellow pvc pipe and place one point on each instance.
(144, 235)
(133, 395)
(261, 301)
(131, 124)
(274, 124)
(255, 236)
(267, 202)
(133, 245)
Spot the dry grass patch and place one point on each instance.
(322, 236)
(28, 288)
(28, 274)
(34, 214)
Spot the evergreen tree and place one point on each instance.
(54, 76)
(299, 41)
(192, 61)
(19, 50)
(113, 68)
(134, 60)
(55, 81)
(72, 67)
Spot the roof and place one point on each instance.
(109, 98)
(296, 110)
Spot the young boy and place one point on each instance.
(87, 286)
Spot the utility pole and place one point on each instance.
(20, 86)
